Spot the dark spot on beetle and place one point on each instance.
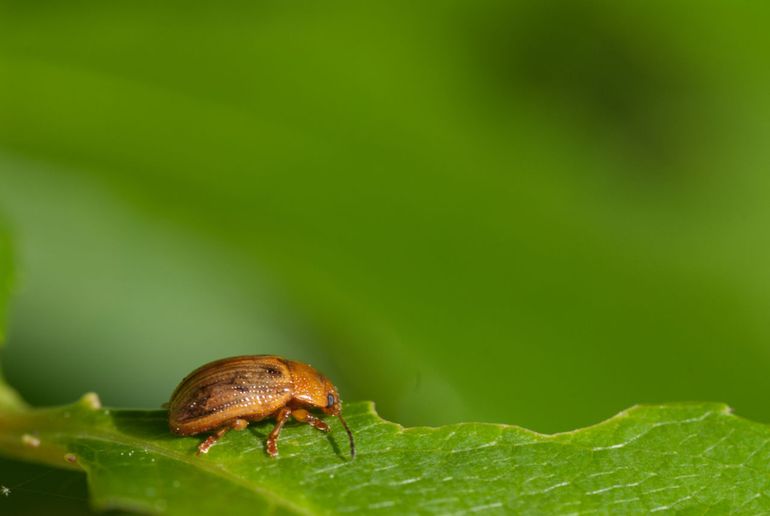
(206, 389)
(198, 407)
(272, 371)
(238, 378)
(201, 400)
(240, 382)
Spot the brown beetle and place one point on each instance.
(231, 392)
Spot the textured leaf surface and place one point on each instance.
(649, 458)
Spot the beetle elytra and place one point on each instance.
(230, 393)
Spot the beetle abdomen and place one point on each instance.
(249, 387)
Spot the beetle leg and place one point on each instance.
(238, 424)
(272, 439)
(209, 442)
(304, 416)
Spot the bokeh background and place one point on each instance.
(537, 213)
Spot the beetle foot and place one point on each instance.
(205, 446)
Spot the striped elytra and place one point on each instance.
(230, 393)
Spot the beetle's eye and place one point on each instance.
(330, 400)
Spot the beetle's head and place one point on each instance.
(332, 404)
(313, 389)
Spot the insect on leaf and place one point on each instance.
(648, 458)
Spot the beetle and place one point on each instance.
(232, 392)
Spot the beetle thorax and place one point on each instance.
(311, 388)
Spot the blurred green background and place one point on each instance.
(526, 212)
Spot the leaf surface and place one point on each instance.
(648, 458)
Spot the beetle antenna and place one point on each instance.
(350, 436)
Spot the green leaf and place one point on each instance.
(649, 458)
